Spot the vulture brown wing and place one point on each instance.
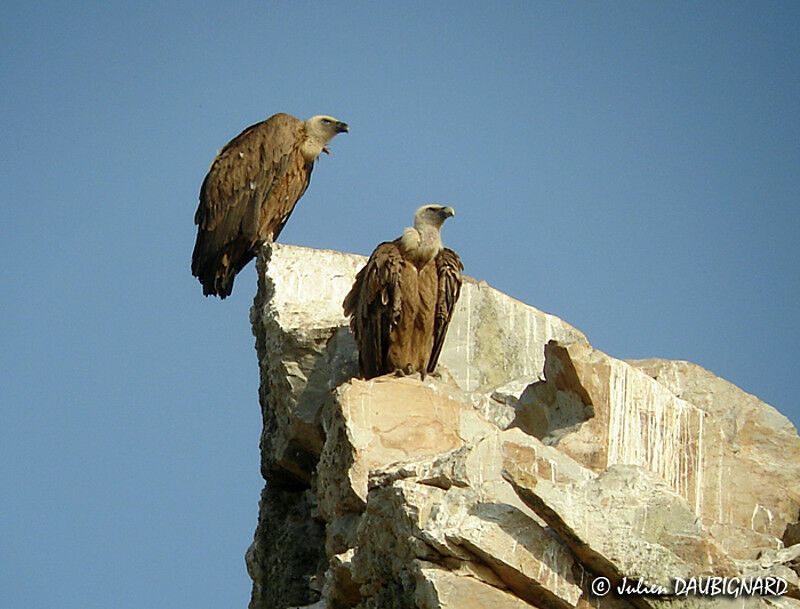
(245, 171)
(242, 177)
(448, 268)
(373, 305)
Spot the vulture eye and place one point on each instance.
(326, 120)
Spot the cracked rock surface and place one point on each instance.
(531, 465)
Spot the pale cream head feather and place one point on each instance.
(424, 240)
(320, 130)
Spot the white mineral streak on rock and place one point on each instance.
(637, 421)
(751, 457)
(652, 428)
(718, 456)
(698, 490)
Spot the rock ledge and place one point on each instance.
(532, 465)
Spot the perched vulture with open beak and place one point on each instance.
(250, 191)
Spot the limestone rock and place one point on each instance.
(493, 339)
(662, 539)
(783, 563)
(438, 588)
(532, 464)
(380, 421)
(696, 446)
(744, 440)
(479, 522)
(791, 536)
(454, 529)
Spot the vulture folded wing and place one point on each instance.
(373, 305)
(241, 179)
(448, 268)
(246, 169)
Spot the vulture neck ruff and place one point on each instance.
(421, 244)
(312, 146)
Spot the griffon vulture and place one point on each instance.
(250, 191)
(402, 300)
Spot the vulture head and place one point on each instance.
(320, 130)
(432, 215)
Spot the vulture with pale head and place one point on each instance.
(402, 300)
(250, 191)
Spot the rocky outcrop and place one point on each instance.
(531, 465)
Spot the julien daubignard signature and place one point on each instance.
(733, 587)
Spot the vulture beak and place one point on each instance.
(449, 212)
(342, 127)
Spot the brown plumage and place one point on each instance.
(402, 300)
(250, 191)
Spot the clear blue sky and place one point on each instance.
(633, 168)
